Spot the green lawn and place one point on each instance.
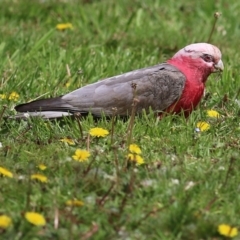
(189, 183)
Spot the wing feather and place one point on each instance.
(157, 88)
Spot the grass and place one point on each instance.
(189, 183)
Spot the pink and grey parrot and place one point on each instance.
(173, 87)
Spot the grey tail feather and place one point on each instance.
(51, 104)
(45, 115)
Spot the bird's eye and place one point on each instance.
(207, 58)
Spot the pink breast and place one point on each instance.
(189, 99)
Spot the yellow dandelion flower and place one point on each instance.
(5, 221)
(134, 148)
(203, 126)
(42, 167)
(68, 141)
(13, 96)
(39, 177)
(36, 219)
(136, 158)
(213, 114)
(74, 202)
(3, 96)
(5, 172)
(227, 230)
(81, 155)
(63, 26)
(67, 84)
(98, 132)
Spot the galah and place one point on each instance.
(172, 87)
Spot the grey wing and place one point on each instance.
(157, 88)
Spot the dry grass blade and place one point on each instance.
(216, 16)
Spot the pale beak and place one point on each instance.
(219, 66)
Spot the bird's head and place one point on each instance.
(202, 56)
